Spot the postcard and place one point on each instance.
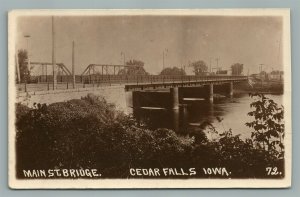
(190, 98)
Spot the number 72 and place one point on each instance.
(272, 171)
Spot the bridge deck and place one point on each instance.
(131, 82)
(190, 83)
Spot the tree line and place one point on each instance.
(200, 68)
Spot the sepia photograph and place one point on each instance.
(194, 98)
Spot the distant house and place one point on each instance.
(222, 72)
(276, 75)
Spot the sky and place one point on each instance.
(250, 40)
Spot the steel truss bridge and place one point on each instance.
(105, 75)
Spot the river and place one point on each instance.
(223, 114)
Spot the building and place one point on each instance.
(276, 75)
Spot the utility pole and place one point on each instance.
(210, 64)
(18, 68)
(164, 53)
(28, 57)
(260, 73)
(53, 55)
(163, 60)
(73, 64)
(124, 59)
(217, 60)
(261, 68)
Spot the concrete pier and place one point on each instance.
(211, 93)
(231, 89)
(174, 98)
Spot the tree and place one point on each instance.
(173, 71)
(221, 72)
(135, 67)
(268, 124)
(237, 69)
(199, 67)
(277, 72)
(23, 65)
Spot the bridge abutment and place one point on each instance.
(113, 94)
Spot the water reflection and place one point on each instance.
(190, 115)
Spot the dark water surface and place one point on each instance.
(232, 112)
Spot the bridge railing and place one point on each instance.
(65, 82)
(136, 79)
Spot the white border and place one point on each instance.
(151, 183)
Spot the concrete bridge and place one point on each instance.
(180, 87)
(127, 90)
(153, 82)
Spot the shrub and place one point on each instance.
(90, 133)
